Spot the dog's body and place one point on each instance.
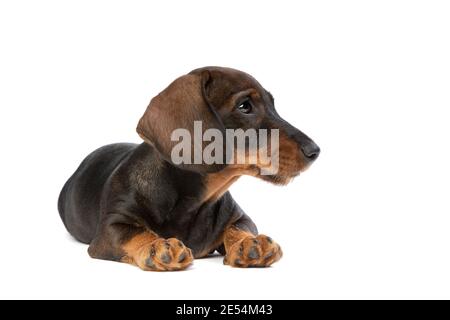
(131, 204)
(128, 183)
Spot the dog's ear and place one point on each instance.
(182, 103)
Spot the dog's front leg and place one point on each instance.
(244, 248)
(141, 247)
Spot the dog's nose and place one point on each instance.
(310, 150)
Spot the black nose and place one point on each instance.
(310, 150)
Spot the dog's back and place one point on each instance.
(79, 200)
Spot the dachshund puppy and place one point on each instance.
(132, 204)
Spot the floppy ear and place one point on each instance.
(177, 107)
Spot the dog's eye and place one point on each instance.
(245, 107)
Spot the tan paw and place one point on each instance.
(260, 251)
(166, 255)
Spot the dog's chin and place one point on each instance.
(284, 175)
(279, 179)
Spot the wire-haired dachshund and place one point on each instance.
(132, 204)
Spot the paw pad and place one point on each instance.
(167, 255)
(260, 251)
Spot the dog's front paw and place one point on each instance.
(167, 255)
(260, 251)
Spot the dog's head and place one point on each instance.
(224, 98)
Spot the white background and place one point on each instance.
(369, 81)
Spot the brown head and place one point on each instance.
(224, 98)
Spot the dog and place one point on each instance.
(132, 204)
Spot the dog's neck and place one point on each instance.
(216, 184)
